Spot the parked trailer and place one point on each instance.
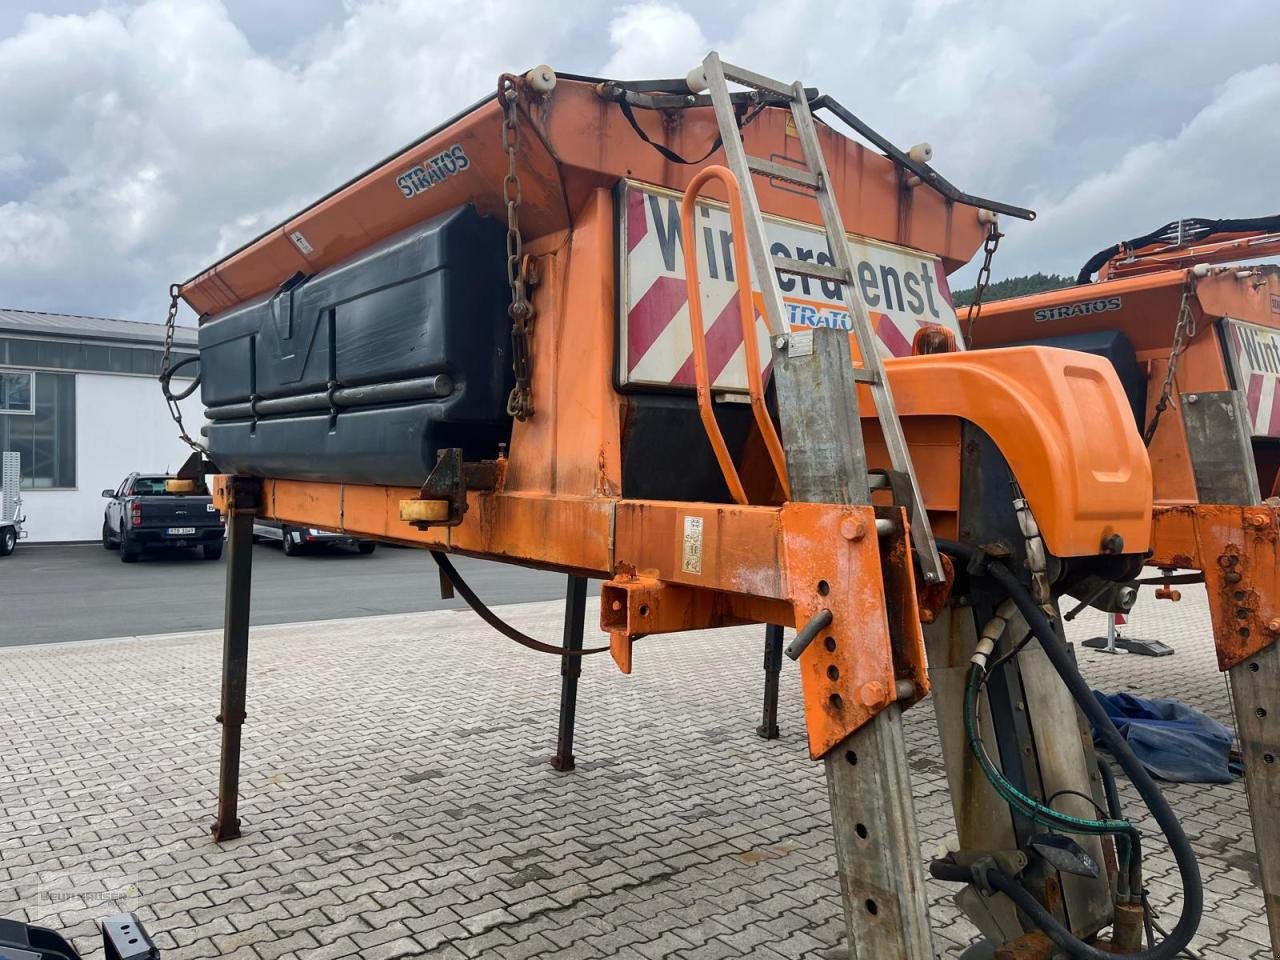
(1193, 330)
(528, 337)
(11, 516)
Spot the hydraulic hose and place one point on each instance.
(1116, 810)
(1184, 856)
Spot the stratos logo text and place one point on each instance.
(1082, 309)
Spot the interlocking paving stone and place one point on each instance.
(397, 800)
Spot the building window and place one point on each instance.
(15, 391)
(46, 438)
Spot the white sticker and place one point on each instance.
(691, 560)
(801, 344)
(300, 242)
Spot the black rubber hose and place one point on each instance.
(493, 620)
(1116, 810)
(1188, 869)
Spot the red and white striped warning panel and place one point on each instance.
(903, 289)
(1255, 360)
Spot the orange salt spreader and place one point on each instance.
(1192, 329)
(686, 337)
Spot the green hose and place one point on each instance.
(1027, 806)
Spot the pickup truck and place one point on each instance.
(141, 513)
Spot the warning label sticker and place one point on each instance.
(691, 558)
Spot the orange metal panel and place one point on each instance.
(1061, 420)
(1236, 547)
(595, 148)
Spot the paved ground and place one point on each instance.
(397, 801)
(54, 592)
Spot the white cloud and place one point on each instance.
(141, 140)
(657, 39)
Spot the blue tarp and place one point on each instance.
(1173, 741)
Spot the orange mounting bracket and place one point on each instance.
(747, 314)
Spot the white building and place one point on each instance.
(80, 402)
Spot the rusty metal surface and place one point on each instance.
(1236, 547)
(1029, 946)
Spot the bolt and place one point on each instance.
(852, 529)
(1257, 521)
(1192, 398)
(872, 693)
(1274, 626)
(780, 342)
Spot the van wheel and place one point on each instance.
(8, 540)
(290, 546)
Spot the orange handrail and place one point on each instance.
(747, 312)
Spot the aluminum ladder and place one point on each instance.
(714, 76)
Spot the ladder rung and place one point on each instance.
(778, 171)
(756, 81)
(811, 268)
(865, 375)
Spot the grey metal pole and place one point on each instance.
(243, 498)
(575, 603)
(768, 729)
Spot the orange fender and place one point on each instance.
(1063, 423)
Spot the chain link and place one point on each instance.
(167, 370)
(989, 247)
(520, 402)
(1184, 332)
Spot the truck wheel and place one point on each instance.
(8, 540)
(290, 547)
(107, 542)
(212, 551)
(366, 548)
(128, 551)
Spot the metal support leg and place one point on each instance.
(235, 661)
(768, 728)
(575, 605)
(877, 844)
(1255, 688)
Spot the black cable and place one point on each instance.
(1083, 796)
(493, 620)
(1060, 657)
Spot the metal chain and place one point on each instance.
(167, 371)
(989, 247)
(520, 402)
(1182, 333)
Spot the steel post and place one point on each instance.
(1255, 688)
(235, 652)
(575, 607)
(768, 728)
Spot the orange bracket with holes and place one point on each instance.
(1236, 548)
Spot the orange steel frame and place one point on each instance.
(1235, 546)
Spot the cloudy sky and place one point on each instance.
(138, 140)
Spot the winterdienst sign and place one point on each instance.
(903, 290)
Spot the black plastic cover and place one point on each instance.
(431, 299)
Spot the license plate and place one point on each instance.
(180, 531)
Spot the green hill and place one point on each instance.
(1015, 287)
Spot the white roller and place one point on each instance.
(696, 79)
(921, 153)
(541, 79)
